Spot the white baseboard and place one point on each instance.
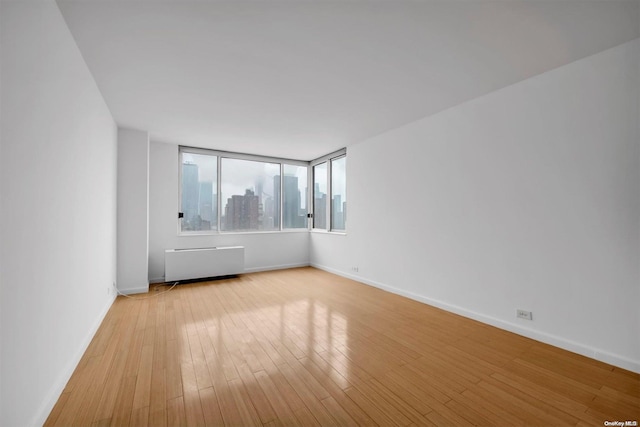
(131, 291)
(554, 340)
(275, 267)
(54, 394)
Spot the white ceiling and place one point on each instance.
(299, 79)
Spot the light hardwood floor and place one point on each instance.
(305, 347)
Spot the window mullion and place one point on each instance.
(310, 197)
(281, 192)
(219, 193)
(329, 203)
(180, 207)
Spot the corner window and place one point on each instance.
(330, 192)
(338, 193)
(229, 192)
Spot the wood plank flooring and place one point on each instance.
(304, 347)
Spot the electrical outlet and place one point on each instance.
(523, 314)
(354, 269)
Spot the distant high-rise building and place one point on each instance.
(242, 212)
(277, 195)
(306, 199)
(319, 208)
(292, 215)
(337, 213)
(344, 214)
(261, 219)
(259, 188)
(206, 205)
(268, 216)
(190, 195)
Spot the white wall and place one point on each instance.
(58, 217)
(133, 211)
(528, 197)
(263, 251)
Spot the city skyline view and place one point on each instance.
(254, 197)
(250, 195)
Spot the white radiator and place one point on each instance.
(185, 264)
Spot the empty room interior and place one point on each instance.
(320, 212)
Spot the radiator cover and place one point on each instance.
(197, 263)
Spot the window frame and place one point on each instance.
(331, 225)
(313, 196)
(328, 158)
(219, 154)
(199, 151)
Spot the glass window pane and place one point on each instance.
(320, 196)
(199, 199)
(294, 203)
(338, 193)
(250, 195)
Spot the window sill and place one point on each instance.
(228, 233)
(333, 232)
